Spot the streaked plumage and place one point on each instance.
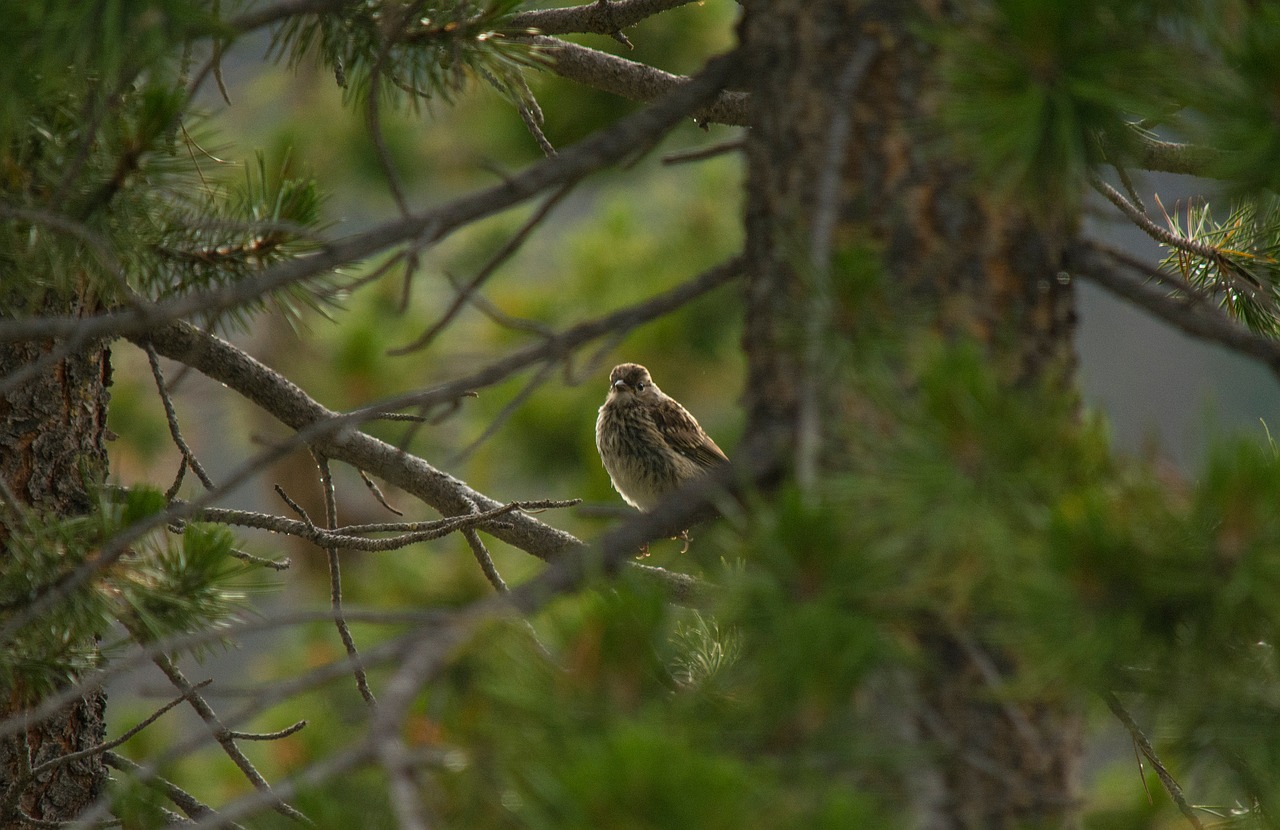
(649, 443)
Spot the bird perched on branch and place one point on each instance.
(649, 443)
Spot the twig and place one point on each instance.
(410, 532)
(372, 117)
(1170, 784)
(1190, 313)
(171, 415)
(223, 736)
(269, 736)
(274, 564)
(485, 560)
(112, 744)
(502, 255)
(185, 801)
(632, 80)
(703, 153)
(335, 581)
(293, 505)
(591, 18)
(377, 493)
(506, 412)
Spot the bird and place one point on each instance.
(649, 443)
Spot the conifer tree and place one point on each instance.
(924, 586)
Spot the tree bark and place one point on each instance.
(841, 150)
(52, 453)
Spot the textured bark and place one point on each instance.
(972, 266)
(51, 451)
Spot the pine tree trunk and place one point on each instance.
(841, 96)
(51, 452)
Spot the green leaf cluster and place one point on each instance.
(163, 585)
(411, 52)
(1245, 274)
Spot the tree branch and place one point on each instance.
(627, 137)
(1190, 313)
(593, 18)
(1171, 785)
(1185, 159)
(631, 80)
(293, 407)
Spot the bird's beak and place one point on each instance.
(619, 385)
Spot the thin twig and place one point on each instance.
(222, 736)
(377, 493)
(1150, 228)
(1170, 784)
(269, 736)
(485, 560)
(703, 153)
(506, 412)
(593, 17)
(186, 802)
(500, 256)
(293, 505)
(1189, 313)
(335, 581)
(125, 736)
(273, 564)
(171, 415)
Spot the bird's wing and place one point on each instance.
(683, 434)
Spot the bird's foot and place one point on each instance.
(644, 551)
(684, 537)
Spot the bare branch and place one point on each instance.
(1175, 791)
(171, 415)
(125, 736)
(593, 18)
(184, 800)
(634, 81)
(335, 581)
(223, 736)
(499, 257)
(1190, 313)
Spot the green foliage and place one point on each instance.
(1238, 103)
(612, 740)
(159, 587)
(1000, 518)
(1031, 86)
(93, 51)
(226, 230)
(1245, 276)
(412, 51)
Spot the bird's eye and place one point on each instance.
(640, 386)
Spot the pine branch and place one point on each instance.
(1193, 314)
(633, 81)
(627, 137)
(592, 18)
(1170, 784)
(1185, 159)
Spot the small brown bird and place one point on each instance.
(649, 443)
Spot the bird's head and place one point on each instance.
(630, 381)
